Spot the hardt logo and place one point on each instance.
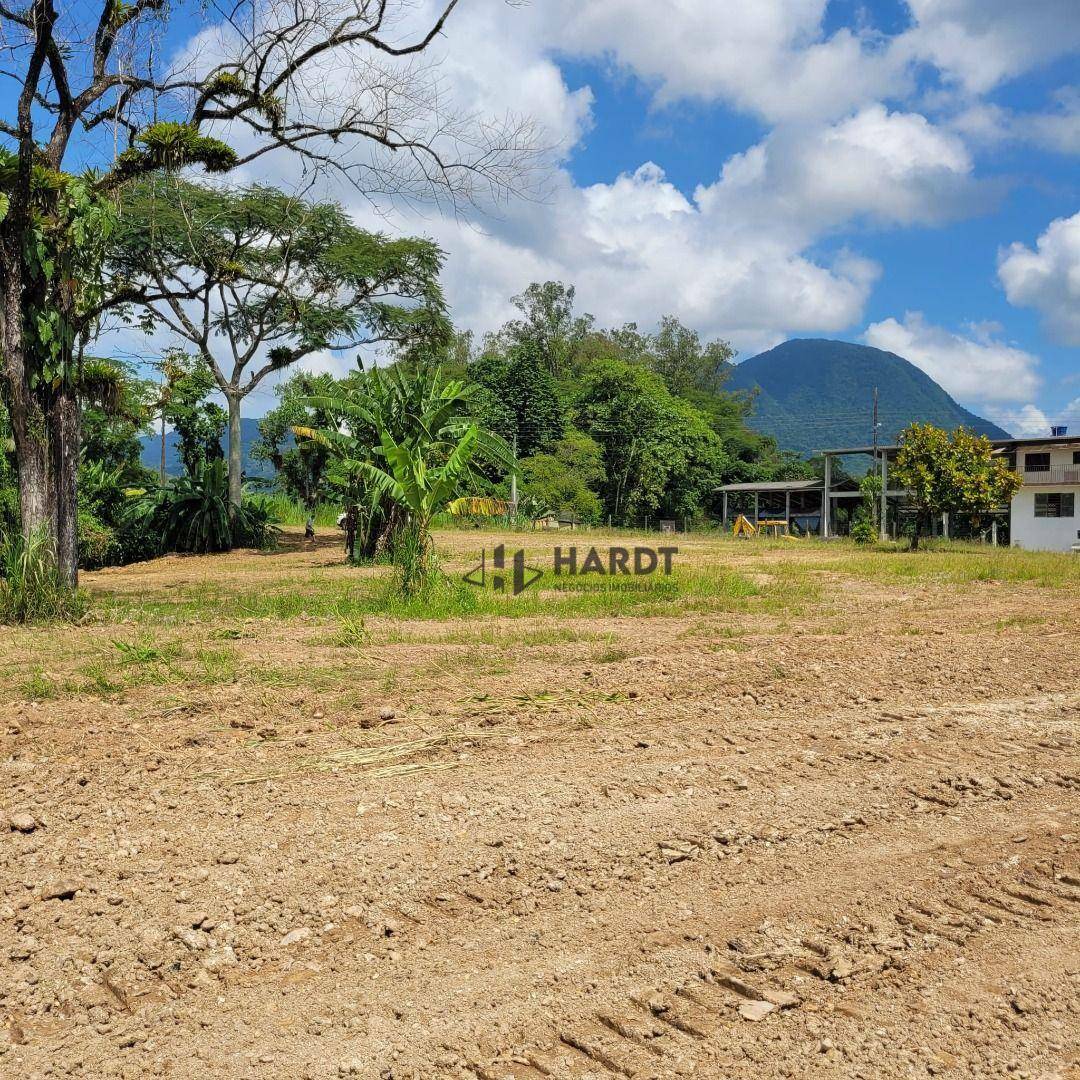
(521, 576)
(637, 562)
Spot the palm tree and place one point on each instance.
(405, 447)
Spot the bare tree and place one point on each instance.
(338, 85)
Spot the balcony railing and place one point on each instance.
(1051, 474)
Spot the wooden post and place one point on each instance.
(787, 508)
(884, 496)
(757, 507)
(993, 531)
(945, 524)
(725, 510)
(825, 497)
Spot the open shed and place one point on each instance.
(798, 502)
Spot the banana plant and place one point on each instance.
(405, 438)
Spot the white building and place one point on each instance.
(1045, 512)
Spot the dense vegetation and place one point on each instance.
(608, 425)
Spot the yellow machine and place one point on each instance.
(765, 527)
(743, 527)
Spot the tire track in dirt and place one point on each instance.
(847, 788)
(657, 1033)
(931, 782)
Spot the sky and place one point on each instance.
(902, 173)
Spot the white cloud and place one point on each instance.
(769, 57)
(978, 44)
(1030, 421)
(976, 366)
(738, 256)
(733, 258)
(637, 248)
(1057, 129)
(888, 167)
(774, 59)
(1048, 277)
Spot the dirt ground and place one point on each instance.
(836, 839)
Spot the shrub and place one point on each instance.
(863, 531)
(136, 540)
(31, 588)
(254, 523)
(97, 542)
(193, 513)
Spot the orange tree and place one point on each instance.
(950, 472)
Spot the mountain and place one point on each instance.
(249, 435)
(816, 394)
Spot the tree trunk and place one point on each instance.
(64, 438)
(236, 459)
(28, 428)
(45, 429)
(919, 520)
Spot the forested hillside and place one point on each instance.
(812, 394)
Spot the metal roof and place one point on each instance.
(776, 485)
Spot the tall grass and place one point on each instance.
(32, 589)
(289, 511)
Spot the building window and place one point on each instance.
(1036, 463)
(1056, 504)
(1076, 457)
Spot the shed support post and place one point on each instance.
(725, 509)
(825, 497)
(884, 496)
(787, 508)
(757, 507)
(945, 524)
(993, 532)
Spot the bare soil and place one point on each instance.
(841, 843)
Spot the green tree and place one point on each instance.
(677, 355)
(567, 477)
(300, 466)
(255, 280)
(116, 406)
(950, 472)
(660, 455)
(76, 89)
(548, 328)
(199, 423)
(425, 453)
(525, 401)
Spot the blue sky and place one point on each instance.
(945, 270)
(900, 172)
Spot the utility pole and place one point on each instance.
(513, 485)
(883, 509)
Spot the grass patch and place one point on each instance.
(341, 595)
(955, 563)
(214, 666)
(38, 686)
